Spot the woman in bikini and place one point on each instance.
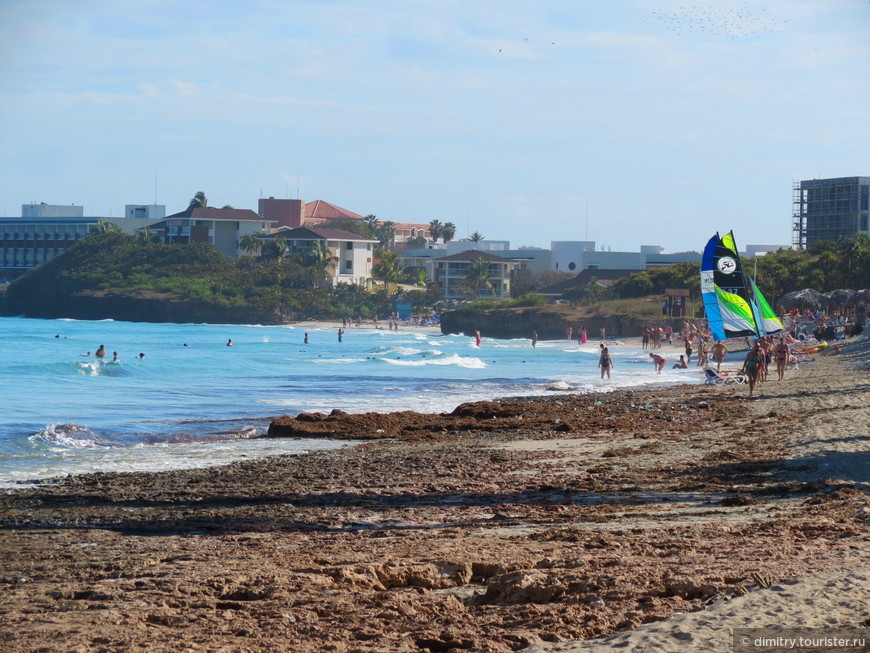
(605, 362)
(780, 355)
(752, 365)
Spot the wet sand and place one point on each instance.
(637, 520)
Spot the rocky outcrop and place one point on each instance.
(140, 306)
(549, 321)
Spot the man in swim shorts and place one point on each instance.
(781, 356)
(718, 350)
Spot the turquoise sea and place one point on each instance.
(193, 401)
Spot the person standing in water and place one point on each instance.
(658, 361)
(306, 337)
(605, 362)
(230, 342)
(477, 337)
(101, 352)
(534, 338)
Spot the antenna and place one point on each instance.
(155, 187)
(586, 237)
(297, 187)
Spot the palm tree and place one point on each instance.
(371, 220)
(389, 270)
(436, 230)
(276, 248)
(385, 232)
(199, 201)
(106, 227)
(320, 256)
(249, 243)
(476, 237)
(448, 231)
(478, 275)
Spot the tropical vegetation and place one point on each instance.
(114, 265)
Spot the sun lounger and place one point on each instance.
(714, 377)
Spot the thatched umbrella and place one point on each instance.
(841, 298)
(806, 298)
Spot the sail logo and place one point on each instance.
(726, 265)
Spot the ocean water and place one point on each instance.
(193, 401)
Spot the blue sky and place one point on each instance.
(660, 121)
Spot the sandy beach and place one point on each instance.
(643, 520)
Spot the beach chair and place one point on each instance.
(719, 378)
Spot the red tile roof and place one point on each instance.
(320, 210)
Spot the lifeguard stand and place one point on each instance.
(677, 300)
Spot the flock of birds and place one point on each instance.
(711, 21)
(716, 21)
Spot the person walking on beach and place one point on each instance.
(781, 355)
(605, 362)
(569, 332)
(534, 339)
(718, 350)
(752, 366)
(658, 361)
(583, 339)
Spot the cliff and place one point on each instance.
(138, 306)
(549, 321)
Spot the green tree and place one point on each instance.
(106, 227)
(389, 269)
(319, 256)
(478, 275)
(371, 220)
(385, 232)
(275, 248)
(476, 237)
(249, 243)
(436, 230)
(199, 201)
(448, 231)
(358, 227)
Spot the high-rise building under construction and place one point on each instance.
(830, 209)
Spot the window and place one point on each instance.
(348, 266)
(350, 245)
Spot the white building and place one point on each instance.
(354, 253)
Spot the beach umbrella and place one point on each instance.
(806, 298)
(863, 296)
(841, 297)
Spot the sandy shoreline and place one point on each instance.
(654, 519)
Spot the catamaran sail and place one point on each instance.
(728, 300)
(735, 306)
(769, 324)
